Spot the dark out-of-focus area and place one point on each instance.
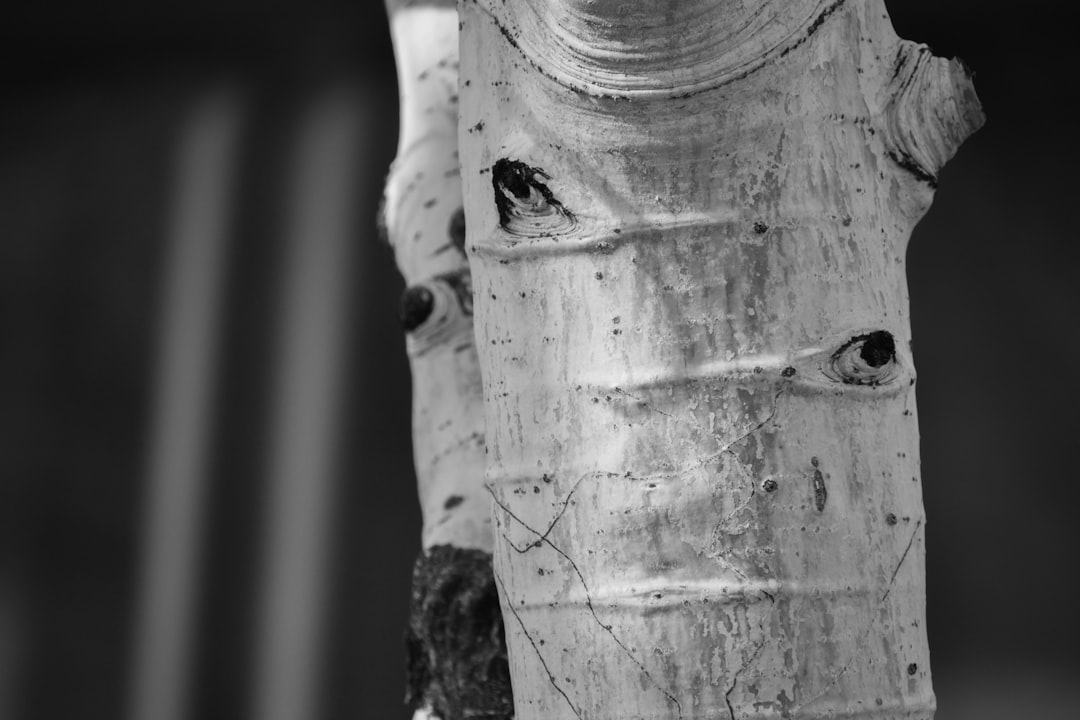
(206, 494)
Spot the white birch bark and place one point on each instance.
(424, 223)
(455, 646)
(687, 228)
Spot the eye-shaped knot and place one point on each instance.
(868, 359)
(436, 310)
(527, 207)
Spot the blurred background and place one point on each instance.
(204, 395)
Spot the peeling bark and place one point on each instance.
(687, 227)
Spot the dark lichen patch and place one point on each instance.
(821, 494)
(890, 519)
(787, 372)
(456, 230)
(452, 502)
(455, 644)
(769, 485)
(760, 228)
(912, 669)
(417, 302)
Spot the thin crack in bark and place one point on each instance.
(539, 655)
(870, 627)
(588, 598)
(911, 541)
(726, 449)
(647, 405)
(758, 427)
(719, 529)
(753, 657)
(737, 509)
(550, 527)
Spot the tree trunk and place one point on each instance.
(457, 665)
(687, 226)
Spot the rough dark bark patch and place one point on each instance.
(455, 643)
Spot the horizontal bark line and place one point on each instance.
(643, 595)
(792, 385)
(504, 246)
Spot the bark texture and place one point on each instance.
(687, 228)
(455, 647)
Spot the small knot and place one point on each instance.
(868, 359)
(878, 349)
(526, 206)
(417, 302)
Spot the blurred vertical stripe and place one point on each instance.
(307, 409)
(182, 414)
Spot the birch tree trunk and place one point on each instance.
(687, 228)
(456, 651)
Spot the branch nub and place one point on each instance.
(932, 108)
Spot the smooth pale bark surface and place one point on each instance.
(687, 228)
